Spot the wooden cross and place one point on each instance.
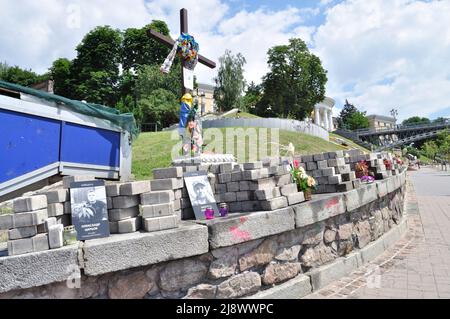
(169, 43)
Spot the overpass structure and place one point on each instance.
(384, 138)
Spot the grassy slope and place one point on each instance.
(350, 143)
(153, 150)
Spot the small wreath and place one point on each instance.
(188, 50)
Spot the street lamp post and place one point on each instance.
(394, 114)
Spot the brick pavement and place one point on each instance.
(418, 266)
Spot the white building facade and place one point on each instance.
(323, 114)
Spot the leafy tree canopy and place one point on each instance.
(416, 120)
(295, 83)
(230, 81)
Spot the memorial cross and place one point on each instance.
(169, 43)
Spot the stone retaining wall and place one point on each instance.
(281, 253)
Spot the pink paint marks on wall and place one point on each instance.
(240, 235)
(332, 202)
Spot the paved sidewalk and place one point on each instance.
(418, 266)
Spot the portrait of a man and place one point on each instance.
(89, 209)
(200, 193)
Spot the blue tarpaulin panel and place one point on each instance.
(89, 145)
(27, 143)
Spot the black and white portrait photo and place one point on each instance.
(200, 193)
(89, 209)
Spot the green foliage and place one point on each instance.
(20, 76)
(95, 70)
(61, 74)
(357, 120)
(430, 149)
(351, 118)
(230, 81)
(149, 78)
(439, 120)
(252, 96)
(159, 107)
(347, 111)
(295, 83)
(413, 151)
(138, 49)
(158, 95)
(416, 120)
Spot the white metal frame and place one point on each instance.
(38, 107)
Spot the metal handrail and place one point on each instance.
(400, 127)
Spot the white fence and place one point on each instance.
(282, 124)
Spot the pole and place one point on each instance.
(183, 29)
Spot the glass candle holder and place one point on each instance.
(69, 235)
(223, 210)
(209, 213)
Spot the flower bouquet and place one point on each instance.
(387, 163)
(361, 169)
(305, 183)
(367, 179)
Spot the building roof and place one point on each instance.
(206, 87)
(381, 118)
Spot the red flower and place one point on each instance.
(296, 163)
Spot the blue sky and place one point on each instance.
(380, 54)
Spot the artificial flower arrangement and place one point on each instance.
(387, 163)
(361, 169)
(367, 179)
(305, 183)
(399, 161)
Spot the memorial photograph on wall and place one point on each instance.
(89, 209)
(201, 195)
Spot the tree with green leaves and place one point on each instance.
(357, 120)
(160, 106)
(95, 70)
(347, 111)
(351, 118)
(138, 49)
(414, 120)
(253, 95)
(295, 83)
(430, 149)
(230, 82)
(439, 120)
(157, 95)
(60, 72)
(20, 76)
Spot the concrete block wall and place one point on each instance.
(299, 248)
(374, 161)
(331, 172)
(258, 186)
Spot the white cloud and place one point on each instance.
(380, 54)
(385, 54)
(251, 33)
(34, 33)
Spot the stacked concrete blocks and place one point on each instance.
(160, 209)
(22, 225)
(331, 172)
(124, 200)
(59, 205)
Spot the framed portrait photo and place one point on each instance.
(200, 194)
(89, 209)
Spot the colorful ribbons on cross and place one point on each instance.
(187, 49)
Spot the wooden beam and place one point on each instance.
(165, 40)
(183, 21)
